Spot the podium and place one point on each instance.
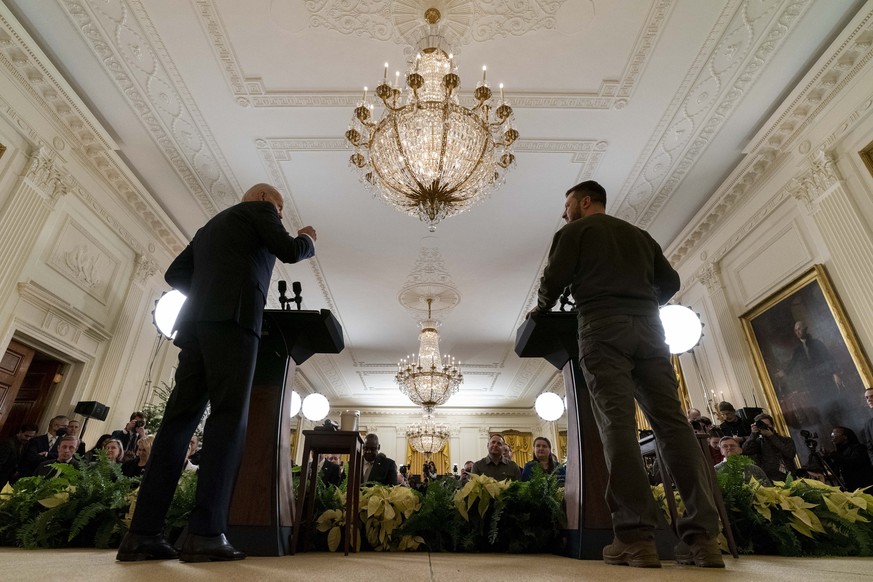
(260, 522)
(552, 336)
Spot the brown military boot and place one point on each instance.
(641, 554)
(701, 551)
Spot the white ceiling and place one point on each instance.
(654, 99)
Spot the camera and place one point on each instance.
(139, 424)
(762, 425)
(809, 439)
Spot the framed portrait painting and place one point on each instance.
(811, 365)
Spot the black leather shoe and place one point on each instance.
(137, 547)
(209, 549)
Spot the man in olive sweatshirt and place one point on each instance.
(619, 276)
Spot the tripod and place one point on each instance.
(831, 477)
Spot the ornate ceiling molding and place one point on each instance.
(746, 36)
(818, 89)
(50, 93)
(487, 19)
(122, 37)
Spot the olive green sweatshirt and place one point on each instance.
(614, 268)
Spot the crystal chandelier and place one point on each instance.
(428, 379)
(427, 436)
(428, 155)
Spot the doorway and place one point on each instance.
(28, 379)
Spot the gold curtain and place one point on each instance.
(415, 460)
(561, 453)
(522, 445)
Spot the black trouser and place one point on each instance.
(216, 365)
(624, 358)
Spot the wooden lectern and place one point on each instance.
(552, 336)
(262, 508)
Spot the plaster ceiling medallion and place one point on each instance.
(465, 21)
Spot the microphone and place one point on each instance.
(283, 300)
(295, 286)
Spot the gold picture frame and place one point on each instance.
(867, 157)
(813, 377)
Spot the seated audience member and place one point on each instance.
(849, 459)
(772, 452)
(135, 467)
(43, 447)
(132, 432)
(733, 425)
(730, 446)
(714, 448)
(11, 452)
(401, 477)
(114, 450)
(377, 468)
(466, 471)
(67, 447)
(496, 465)
(331, 470)
(692, 414)
(73, 427)
(91, 456)
(542, 456)
(193, 449)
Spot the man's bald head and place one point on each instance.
(265, 193)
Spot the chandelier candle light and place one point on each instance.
(428, 155)
(429, 379)
(427, 437)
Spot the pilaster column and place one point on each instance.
(115, 365)
(728, 327)
(24, 217)
(848, 239)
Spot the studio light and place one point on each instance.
(166, 310)
(295, 403)
(549, 406)
(682, 328)
(315, 407)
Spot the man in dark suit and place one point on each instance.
(11, 451)
(332, 470)
(377, 467)
(225, 273)
(42, 447)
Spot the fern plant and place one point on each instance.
(528, 516)
(79, 507)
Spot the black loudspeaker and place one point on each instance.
(749, 413)
(92, 409)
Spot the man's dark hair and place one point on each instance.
(588, 188)
(763, 416)
(137, 414)
(851, 437)
(27, 427)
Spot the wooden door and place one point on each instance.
(13, 368)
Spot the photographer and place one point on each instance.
(132, 432)
(850, 460)
(772, 452)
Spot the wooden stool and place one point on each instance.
(320, 442)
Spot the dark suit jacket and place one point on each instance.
(331, 473)
(384, 471)
(234, 254)
(32, 458)
(10, 456)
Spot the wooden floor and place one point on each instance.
(100, 565)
